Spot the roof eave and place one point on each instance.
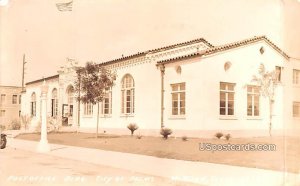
(186, 57)
(42, 79)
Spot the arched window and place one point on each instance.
(33, 104)
(127, 92)
(54, 103)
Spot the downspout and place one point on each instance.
(162, 74)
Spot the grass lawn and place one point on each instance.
(287, 153)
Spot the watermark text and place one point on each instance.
(236, 147)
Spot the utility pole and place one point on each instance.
(23, 72)
(78, 111)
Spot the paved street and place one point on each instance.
(19, 167)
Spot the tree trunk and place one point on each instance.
(271, 113)
(97, 120)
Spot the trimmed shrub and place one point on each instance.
(15, 124)
(219, 135)
(184, 138)
(165, 132)
(132, 127)
(227, 136)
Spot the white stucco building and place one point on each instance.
(194, 88)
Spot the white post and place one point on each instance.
(43, 145)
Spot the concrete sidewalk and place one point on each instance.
(196, 172)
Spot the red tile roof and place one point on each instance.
(123, 58)
(157, 50)
(227, 47)
(181, 44)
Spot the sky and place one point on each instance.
(101, 30)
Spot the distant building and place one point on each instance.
(10, 104)
(194, 88)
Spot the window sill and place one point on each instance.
(106, 116)
(221, 117)
(174, 117)
(254, 118)
(127, 115)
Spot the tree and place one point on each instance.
(91, 83)
(267, 82)
(132, 127)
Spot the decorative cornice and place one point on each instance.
(157, 50)
(189, 56)
(122, 59)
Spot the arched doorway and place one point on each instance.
(68, 108)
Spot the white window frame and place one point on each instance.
(296, 77)
(226, 91)
(178, 89)
(107, 105)
(14, 99)
(296, 105)
(253, 93)
(3, 98)
(127, 90)
(88, 109)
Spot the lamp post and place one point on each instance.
(43, 145)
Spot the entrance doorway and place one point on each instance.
(70, 94)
